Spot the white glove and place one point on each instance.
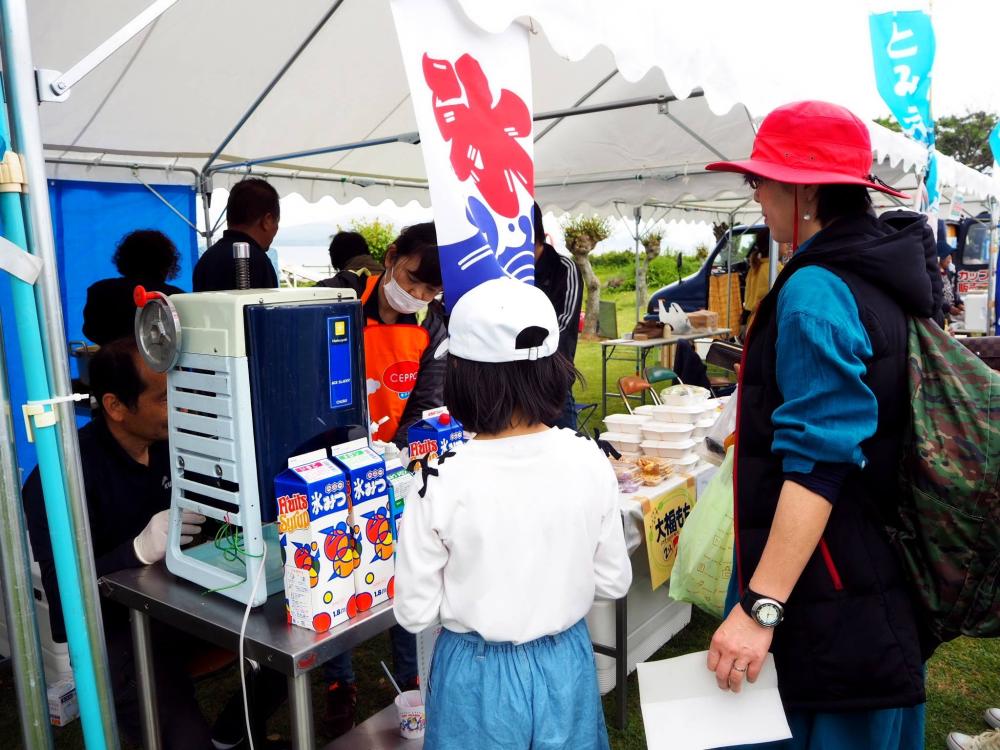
(151, 544)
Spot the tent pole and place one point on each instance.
(43, 349)
(993, 329)
(413, 138)
(401, 138)
(597, 87)
(773, 257)
(205, 188)
(274, 82)
(18, 590)
(729, 272)
(637, 213)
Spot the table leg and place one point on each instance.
(604, 380)
(300, 708)
(142, 648)
(621, 659)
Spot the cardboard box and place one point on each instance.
(319, 543)
(371, 516)
(435, 434)
(63, 705)
(703, 320)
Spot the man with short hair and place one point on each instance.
(560, 279)
(127, 477)
(252, 216)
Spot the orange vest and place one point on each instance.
(392, 361)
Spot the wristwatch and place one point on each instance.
(765, 611)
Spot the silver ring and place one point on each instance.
(738, 669)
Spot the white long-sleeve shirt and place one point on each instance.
(513, 539)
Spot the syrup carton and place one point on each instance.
(435, 434)
(371, 516)
(399, 485)
(319, 543)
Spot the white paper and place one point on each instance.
(684, 709)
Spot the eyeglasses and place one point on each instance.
(754, 181)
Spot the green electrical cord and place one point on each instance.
(232, 547)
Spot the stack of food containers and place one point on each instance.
(680, 423)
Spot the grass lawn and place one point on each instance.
(963, 676)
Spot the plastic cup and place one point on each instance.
(412, 719)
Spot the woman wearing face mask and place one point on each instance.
(404, 379)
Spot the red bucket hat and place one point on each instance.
(811, 143)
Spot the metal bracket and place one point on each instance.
(663, 106)
(47, 88)
(36, 415)
(12, 179)
(54, 86)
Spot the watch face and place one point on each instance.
(767, 614)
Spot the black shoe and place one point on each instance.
(341, 707)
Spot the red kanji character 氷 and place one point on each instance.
(482, 135)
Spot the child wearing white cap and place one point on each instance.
(507, 542)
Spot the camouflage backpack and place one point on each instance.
(947, 531)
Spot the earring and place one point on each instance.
(807, 217)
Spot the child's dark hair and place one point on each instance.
(421, 240)
(487, 397)
(147, 255)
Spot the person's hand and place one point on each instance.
(738, 650)
(151, 544)
(958, 309)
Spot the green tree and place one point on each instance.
(377, 234)
(963, 137)
(582, 233)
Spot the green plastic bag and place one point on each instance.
(704, 562)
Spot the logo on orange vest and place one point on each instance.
(401, 376)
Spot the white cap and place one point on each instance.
(503, 320)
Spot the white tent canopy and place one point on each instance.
(169, 98)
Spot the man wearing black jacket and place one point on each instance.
(560, 279)
(252, 215)
(127, 477)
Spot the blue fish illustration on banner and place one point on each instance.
(903, 49)
(995, 143)
(471, 93)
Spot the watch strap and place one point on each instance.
(751, 597)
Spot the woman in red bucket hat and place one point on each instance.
(822, 407)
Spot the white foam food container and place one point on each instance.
(685, 414)
(686, 461)
(684, 395)
(631, 423)
(623, 442)
(701, 427)
(670, 431)
(645, 409)
(665, 449)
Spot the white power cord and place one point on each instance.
(243, 632)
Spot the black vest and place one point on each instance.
(849, 640)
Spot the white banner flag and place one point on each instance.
(471, 93)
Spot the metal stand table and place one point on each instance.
(153, 592)
(640, 350)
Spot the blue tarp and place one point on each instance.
(89, 218)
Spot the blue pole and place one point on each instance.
(53, 485)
